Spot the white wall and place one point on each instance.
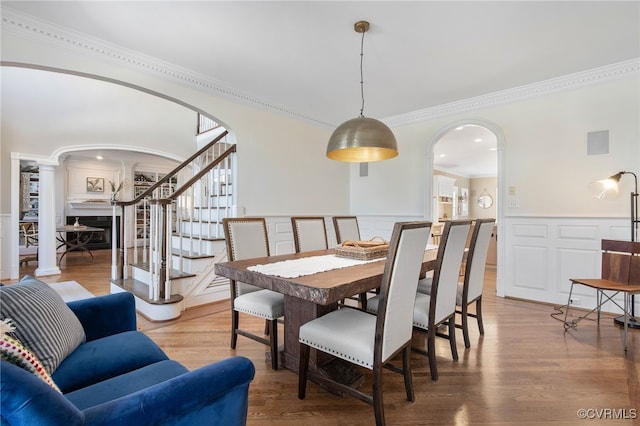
(545, 153)
(282, 164)
(283, 170)
(546, 163)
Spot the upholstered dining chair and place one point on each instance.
(473, 266)
(470, 289)
(309, 233)
(346, 228)
(247, 238)
(439, 307)
(371, 341)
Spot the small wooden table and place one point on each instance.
(311, 296)
(80, 237)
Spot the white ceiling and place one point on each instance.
(303, 57)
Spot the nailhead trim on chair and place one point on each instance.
(340, 354)
(259, 314)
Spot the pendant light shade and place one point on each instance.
(362, 139)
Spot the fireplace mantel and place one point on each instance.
(97, 204)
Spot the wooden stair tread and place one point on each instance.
(185, 235)
(202, 221)
(173, 274)
(185, 253)
(141, 291)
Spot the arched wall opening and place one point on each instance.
(54, 154)
(429, 212)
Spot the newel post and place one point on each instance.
(163, 239)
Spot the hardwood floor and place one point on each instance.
(525, 370)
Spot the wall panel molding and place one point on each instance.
(539, 268)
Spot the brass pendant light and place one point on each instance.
(362, 139)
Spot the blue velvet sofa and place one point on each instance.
(118, 376)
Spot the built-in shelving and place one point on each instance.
(142, 181)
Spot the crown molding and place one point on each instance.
(630, 68)
(41, 31)
(28, 27)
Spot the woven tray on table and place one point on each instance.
(363, 250)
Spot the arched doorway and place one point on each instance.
(431, 196)
(46, 94)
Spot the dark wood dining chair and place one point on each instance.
(371, 341)
(473, 266)
(470, 289)
(439, 306)
(247, 238)
(346, 228)
(620, 274)
(309, 233)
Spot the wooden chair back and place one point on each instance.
(309, 233)
(246, 238)
(347, 228)
(394, 324)
(621, 261)
(477, 258)
(444, 286)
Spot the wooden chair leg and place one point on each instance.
(234, 327)
(465, 325)
(302, 370)
(363, 301)
(266, 327)
(431, 352)
(408, 376)
(273, 343)
(479, 315)
(378, 406)
(452, 337)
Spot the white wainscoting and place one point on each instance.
(281, 232)
(8, 250)
(543, 253)
(540, 253)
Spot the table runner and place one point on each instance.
(307, 265)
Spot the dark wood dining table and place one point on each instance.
(311, 296)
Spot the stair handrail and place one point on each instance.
(175, 194)
(118, 267)
(172, 173)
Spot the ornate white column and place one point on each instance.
(47, 259)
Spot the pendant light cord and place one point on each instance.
(361, 75)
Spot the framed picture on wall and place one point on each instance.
(95, 184)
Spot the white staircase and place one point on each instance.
(170, 266)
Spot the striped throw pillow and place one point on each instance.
(43, 322)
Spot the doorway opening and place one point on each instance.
(464, 170)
